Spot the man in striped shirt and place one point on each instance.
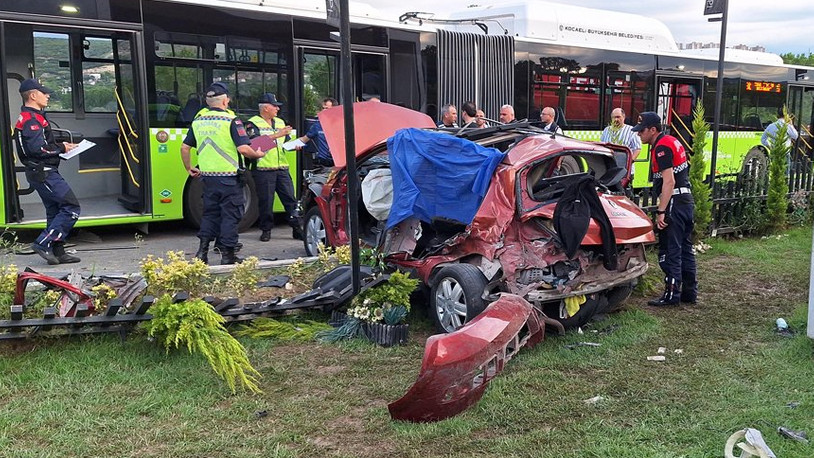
(620, 133)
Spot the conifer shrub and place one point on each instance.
(195, 325)
(777, 202)
(701, 192)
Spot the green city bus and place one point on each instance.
(129, 75)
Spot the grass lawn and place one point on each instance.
(101, 397)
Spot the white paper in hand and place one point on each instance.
(293, 144)
(83, 146)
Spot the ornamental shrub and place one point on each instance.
(701, 193)
(194, 324)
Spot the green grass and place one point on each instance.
(101, 397)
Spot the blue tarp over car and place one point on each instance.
(437, 175)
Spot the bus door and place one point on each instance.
(319, 78)
(97, 96)
(675, 100)
(801, 107)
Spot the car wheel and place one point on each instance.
(314, 230)
(456, 296)
(617, 297)
(557, 311)
(193, 204)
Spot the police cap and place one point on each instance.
(647, 120)
(217, 89)
(31, 84)
(268, 97)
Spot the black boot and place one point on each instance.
(265, 236)
(62, 256)
(227, 256)
(670, 296)
(203, 251)
(296, 228)
(689, 290)
(46, 252)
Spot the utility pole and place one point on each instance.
(717, 7)
(341, 19)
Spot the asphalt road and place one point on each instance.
(119, 249)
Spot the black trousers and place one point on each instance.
(676, 257)
(61, 206)
(267, 182)
(222, 210)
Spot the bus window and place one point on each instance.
(178, 95)
(52, 64)
(564, 83)
(370, 79)
(98, 76)
(759, 104)
(320, 80)
(629, 91)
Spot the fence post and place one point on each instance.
(810, 331)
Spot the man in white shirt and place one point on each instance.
(620, 133)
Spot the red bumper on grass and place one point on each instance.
(458, 366)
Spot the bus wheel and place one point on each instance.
(193, 204)
(569, 166)
(755, 165)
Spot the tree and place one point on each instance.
(701, 191)
(798, 59)
(777, 197)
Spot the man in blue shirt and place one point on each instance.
(316, 133)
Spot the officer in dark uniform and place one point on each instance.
(272, 173)
(221, 139)
(39, 153)
(674, 215)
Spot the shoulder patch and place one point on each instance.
(33, 126)
(660, 154)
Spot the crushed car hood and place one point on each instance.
(374, 122)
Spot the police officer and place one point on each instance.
(674, 214)
(221, 139)
(39, 153)
(271, 172)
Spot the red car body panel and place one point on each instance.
(458, 366)
(373, 123)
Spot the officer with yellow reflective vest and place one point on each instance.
(221, 140)
(271, 172)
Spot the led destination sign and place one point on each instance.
(763, 86)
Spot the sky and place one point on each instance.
(780, 27)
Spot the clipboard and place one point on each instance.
(263, 143)
(83, 146)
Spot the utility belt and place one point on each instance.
(37, 172)
(681, 190)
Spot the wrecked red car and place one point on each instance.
(476, 212)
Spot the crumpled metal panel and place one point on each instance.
(458, 366)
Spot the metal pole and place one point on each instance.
(810, 331)
(350, 140)
(719, 92)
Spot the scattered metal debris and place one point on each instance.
(583, 344)
(656, 358)
(799, 436)
(593, 400)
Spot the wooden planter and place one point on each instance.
(383, 334)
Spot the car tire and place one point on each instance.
(456, 296)
(193, 204)
(556, 310)
(313, 231)
(617, 297)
